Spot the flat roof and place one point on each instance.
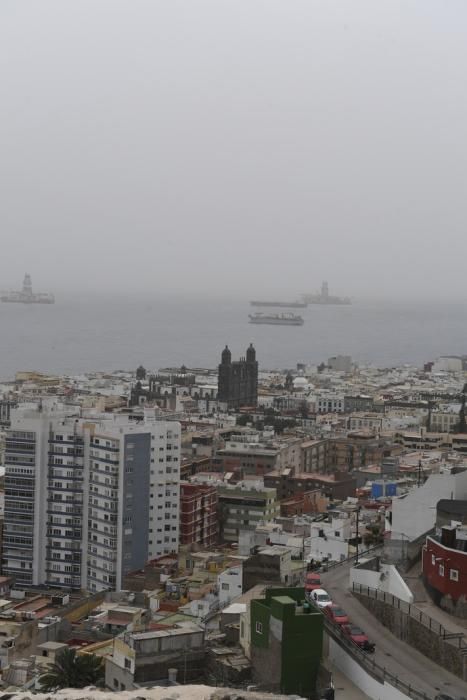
(174, 631)
(455, 507)
(53, 646)
(235, 609)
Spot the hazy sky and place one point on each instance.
(250, 146)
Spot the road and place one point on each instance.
(399, 658)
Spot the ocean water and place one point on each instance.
(104, 333)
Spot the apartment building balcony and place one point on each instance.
(74, 584)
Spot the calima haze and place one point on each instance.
(234, 148)
(233, 357)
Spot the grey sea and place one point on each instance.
(86, 334)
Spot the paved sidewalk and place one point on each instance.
(344, 688)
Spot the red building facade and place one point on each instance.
(445, 567)
(198, 514)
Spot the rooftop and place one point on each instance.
(452, 506)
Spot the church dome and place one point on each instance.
(300, 383)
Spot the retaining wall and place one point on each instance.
(375, 689)
(410, 630)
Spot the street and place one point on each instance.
(399, 658)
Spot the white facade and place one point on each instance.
(415, 513)
(330, 540)
(87, 501)
(229, 584)
(330, 403)
(445, 420)
(367, 421)
(447, 364)
(42, 540)
(387, 580)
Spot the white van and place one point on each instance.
(320, 598)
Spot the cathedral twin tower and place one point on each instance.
(238, 380)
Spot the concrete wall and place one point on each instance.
(230, 584)
(410, 630)
(402, 552)
(117, 678)
(363, 680)
(394, 583)
(416, 513)
(386, 579)
(76, 611)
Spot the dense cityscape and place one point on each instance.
(233, 350)
(269, 531)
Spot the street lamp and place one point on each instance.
(356, 533)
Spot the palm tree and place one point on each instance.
(91, 669)
(71, 671)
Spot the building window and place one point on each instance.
(433, 560)
(441, 570)
(454, 575)
(225, 586)
(127, 663)
(259, 627)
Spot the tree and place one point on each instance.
(71, 671)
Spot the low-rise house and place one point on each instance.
(229, 584)
(272, 565)
(330, 540)
(444, 565)
(142, 658)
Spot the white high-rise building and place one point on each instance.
(87, 500)
(132, 500)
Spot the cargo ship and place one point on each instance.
(26, 295)
(276, 319)
(325, 298)
(280, 304)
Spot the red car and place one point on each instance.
(336, 615)
(312, 582)
(358, 637)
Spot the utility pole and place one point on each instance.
(356, 538)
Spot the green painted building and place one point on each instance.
(286, 642)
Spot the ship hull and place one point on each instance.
(280, 304)
(277, 321)
(10, 300)
(337, 302)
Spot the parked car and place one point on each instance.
(320, 598)
(336, 615)
(312, 582)
(358, 637)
